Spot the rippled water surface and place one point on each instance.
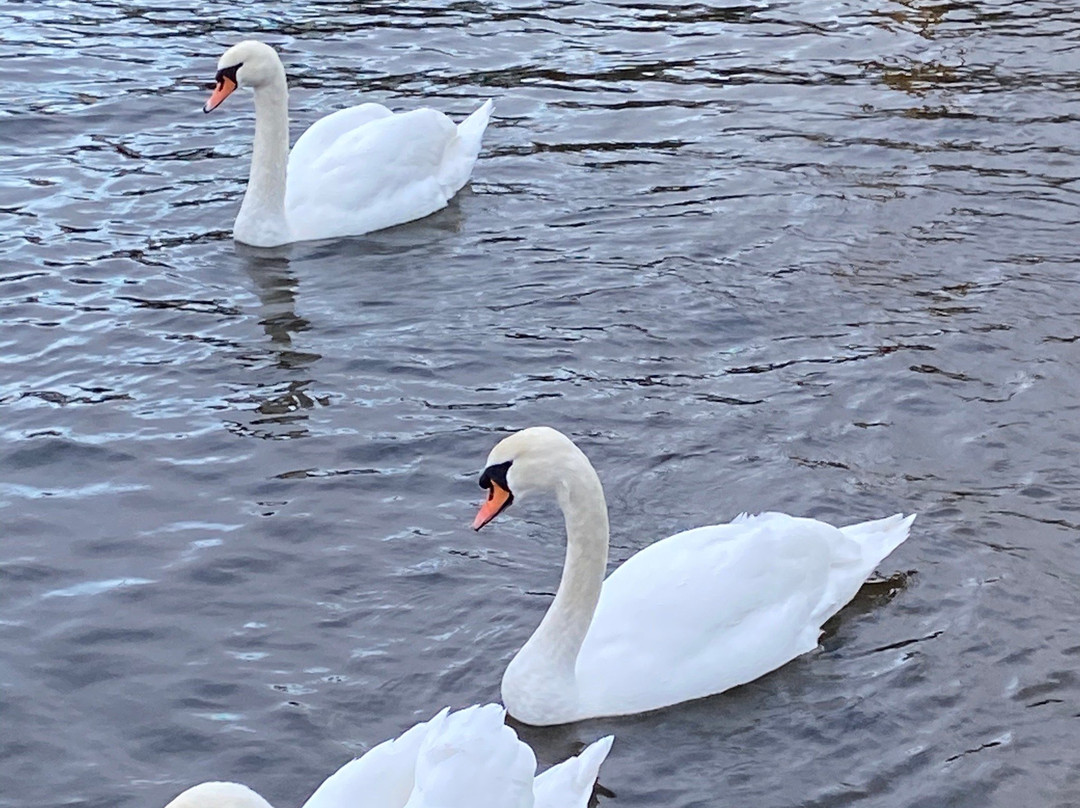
(811, 256)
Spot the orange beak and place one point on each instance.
(498, 498)
(221, 92)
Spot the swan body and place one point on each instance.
(467, 759)
(691, 615)
(357, 170)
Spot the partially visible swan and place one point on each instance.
(357, 170)
(691, 615)
(467, 759)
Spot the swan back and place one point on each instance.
(703, 611)
(714, 607)
(381, 173)
(321, 136)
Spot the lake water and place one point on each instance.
(808, 256)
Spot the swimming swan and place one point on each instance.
(357, 170)
(691, 615)
(467, 759)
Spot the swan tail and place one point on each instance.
(880, 537)
(463, 150)
(471, 130)
(867, 546)
(570, 784)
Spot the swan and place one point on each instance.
(691, 615)
(357, 170)
(466, 759)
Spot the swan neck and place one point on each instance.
(567, 621)
(270, 158)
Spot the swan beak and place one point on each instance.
(498, 499)
(221, 92)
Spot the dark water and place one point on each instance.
(812, 256)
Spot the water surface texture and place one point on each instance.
(810, 256)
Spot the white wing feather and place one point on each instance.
(383, 777)
(705, 610)
(365, 168)
(465, 759)
(473, 759)
(321, 135)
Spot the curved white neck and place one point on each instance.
(556, 642)
(262, 213)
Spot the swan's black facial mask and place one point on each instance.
(499, 495)
(225, 82)
(227, 73)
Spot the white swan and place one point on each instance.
(360, 169)
(467, 759)
(689, 616)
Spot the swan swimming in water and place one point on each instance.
(356, 170)
(691, 615)
(467, 759)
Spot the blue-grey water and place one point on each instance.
(801, 255)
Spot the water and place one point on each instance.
(805, 256)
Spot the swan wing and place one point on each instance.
(467, 758)
(321, 135)
(705, 610)
(384, 777)
(392, 168)
(570, 784)
(473, 760)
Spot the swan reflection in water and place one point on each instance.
(281, 399)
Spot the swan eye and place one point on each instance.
(496, 474)
(227, 73)
(225, 81)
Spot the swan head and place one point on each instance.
(218, 795)
(246, 64)
(535, 460)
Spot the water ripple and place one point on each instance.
(780, 254)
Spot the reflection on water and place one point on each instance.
(812, 257)
(281, 409)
